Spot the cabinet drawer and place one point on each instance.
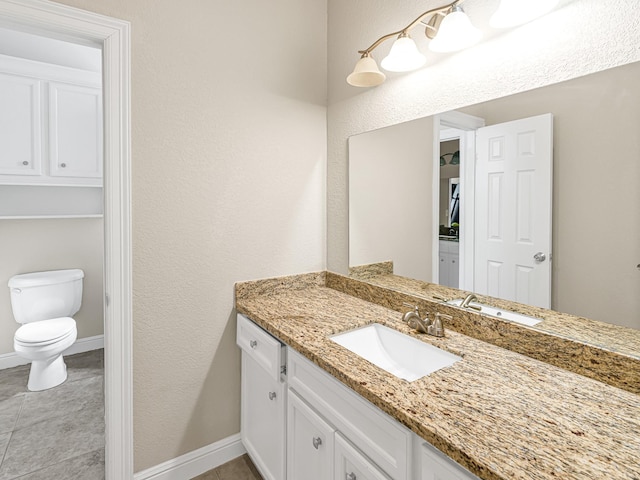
(259, 345)
(376, 434)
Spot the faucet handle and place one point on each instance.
(437, 327)
(438, 297)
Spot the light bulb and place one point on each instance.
(456, 32)
(404, 56)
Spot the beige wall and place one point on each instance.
(390, 171)
(53, 244)
(228, 158)
(596, 199)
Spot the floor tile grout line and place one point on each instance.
(60, 414)
(97, 372)
(6, 449)
(15, 424)
(54, 464)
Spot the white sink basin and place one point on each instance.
(397, 353)
(499, 313)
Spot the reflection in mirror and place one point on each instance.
(596, 195)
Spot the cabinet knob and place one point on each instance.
(317, 441)
(253, 344)
(272, 395)
(25, 163)
(351, 476)
(63, 165)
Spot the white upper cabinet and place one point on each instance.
(75, 131)
(20, 125)
(50, 124)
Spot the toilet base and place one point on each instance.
(47, 373)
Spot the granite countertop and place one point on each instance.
(602, 351)
(500, 414)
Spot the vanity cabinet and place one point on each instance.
(263, 399)
(318, 428)
(449, 270)
(380, 439)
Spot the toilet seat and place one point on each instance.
(45, 332)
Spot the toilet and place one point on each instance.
(43, 302)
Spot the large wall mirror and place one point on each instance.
(595, 267)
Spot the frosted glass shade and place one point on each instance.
(404, 56)
(366, 74)
(455, 33)
(511, 13)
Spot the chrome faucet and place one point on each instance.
(435, 327)
(466, 303)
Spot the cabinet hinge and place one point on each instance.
(283, 369)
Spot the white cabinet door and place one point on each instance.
(310, 447)
(435, 466)
(350, 464)
(20, 126)
(443, 271)
(263, 418)
(75, 131)
(454, 270)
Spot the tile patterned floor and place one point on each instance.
(57, 433)
(240, 468)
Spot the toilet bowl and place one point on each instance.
(43, 302)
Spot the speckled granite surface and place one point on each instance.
(605, 352)
(500, 414)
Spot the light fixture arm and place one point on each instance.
(406, 29)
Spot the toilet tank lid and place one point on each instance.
(36, 279)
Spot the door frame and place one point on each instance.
(467, 125)
(68, 23)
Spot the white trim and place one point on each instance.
(48, 71)
(12, 359)
(68, 23)
(469, 123)
(86, 344)
(196, 462)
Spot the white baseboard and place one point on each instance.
(196, 462)
(10, 360)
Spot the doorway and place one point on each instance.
(505, 205)
(66, 23)
(457, 131)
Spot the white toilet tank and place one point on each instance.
(45, 295)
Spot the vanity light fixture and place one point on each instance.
(449, 29)
(455, 158)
